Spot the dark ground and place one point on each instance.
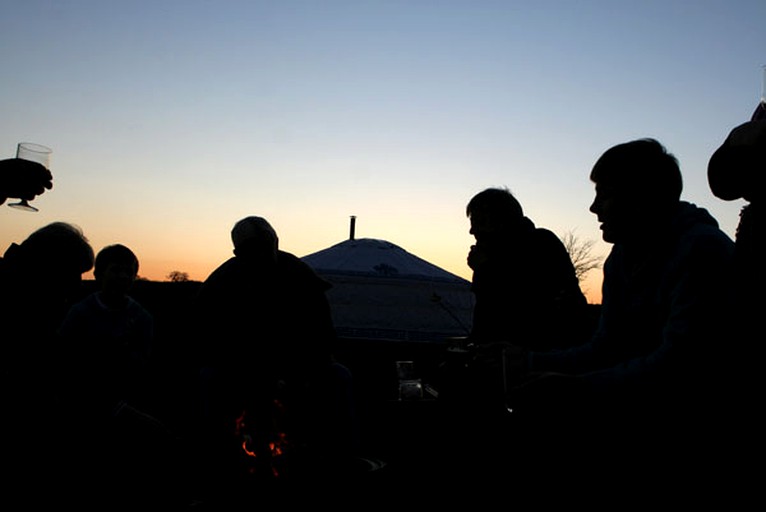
(407, 448)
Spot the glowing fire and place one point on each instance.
(277, 446)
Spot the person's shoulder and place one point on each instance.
(138, 309)
(704, 242)
(219, 279)
(712, 232)
(292, 265)
(86, 303)
(11, 255)
(81, 311)
(709, 241)
(287, 257)
(290, 261)
(701, 227)
(224, 268)
(549, 244)
(545, 235)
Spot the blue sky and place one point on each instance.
(170, 120)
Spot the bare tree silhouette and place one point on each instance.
(581, 253)
(176, 276)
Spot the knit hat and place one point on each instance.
(250, 228)
(737, 168)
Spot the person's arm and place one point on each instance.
(696, 294)
(592, 354)
(23, 179)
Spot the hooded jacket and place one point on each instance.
(663, 317)
(527, 292)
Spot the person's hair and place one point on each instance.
(116, 253)
(498, 202)
(62, 242)
(642, 168)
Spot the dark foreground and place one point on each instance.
(419, 452)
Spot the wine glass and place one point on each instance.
(34, 153)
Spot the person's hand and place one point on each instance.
(23, 179)
(477, 257)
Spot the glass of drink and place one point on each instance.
(34, 153)
(410, 385)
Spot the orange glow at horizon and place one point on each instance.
(198, 270)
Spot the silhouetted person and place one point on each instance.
(23, 179)
(737, 170)
(525, 287)
(267, 335)
(108, 337)
(641, 389)
(104, 357)
(527, 294)
(38, 280)
(524, 281)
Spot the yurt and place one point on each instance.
(382, 292)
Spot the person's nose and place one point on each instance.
(594, 206)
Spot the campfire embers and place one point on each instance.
(280, 455)
(267, 449)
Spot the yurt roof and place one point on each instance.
(376, 258)
(381, 291)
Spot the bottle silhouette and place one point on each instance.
(760, 110)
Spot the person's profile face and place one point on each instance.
(612, 210)
(484, 226)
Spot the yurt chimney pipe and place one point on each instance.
(352, 229)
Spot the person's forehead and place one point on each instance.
(121, 265)
(615, 193)
(481, 215)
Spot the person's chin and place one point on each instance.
(607, 235)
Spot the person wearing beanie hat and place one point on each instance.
(267, 336)
(737, 171)
(255, 232)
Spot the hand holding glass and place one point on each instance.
(34, 153)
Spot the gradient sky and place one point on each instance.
(171, 120)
